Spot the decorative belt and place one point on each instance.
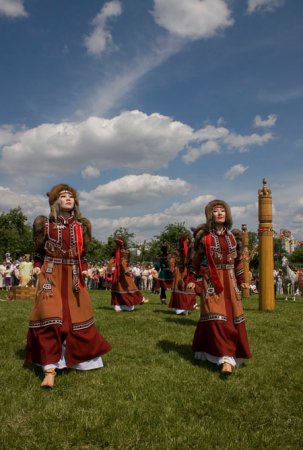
(60, 260)
(224, 266)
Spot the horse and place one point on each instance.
(290, 277)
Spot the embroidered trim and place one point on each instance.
(83, 325)
(239, 272)
(57, 242)
(72, 235)
(45, 322)
(208, 317)
(239, 319)
(215, 248)
(115, 291)
(231, 245)
(210, 290)
(187, 292)
(224, 266)
(49, 259)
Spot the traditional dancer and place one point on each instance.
(62, 331)
(220, 336)
(165, 265)
(124, 292)
(183, 294)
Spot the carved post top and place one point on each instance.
(244, 227)
(264, 190)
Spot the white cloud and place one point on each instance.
(132, 190)
(246, 214)
(31, 205)
(194, 207)
(240, 142)
(133, 140)
(192, 19)
(234, 171)
(267, 123)
(206, 148)
(100, 38)
(90, 172)
(12, 8)
(145, 226)
(7, 135)
(260, 5)
(211, 140)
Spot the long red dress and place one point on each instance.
(124, 292)
(183, 298)
(221, 330)
(62, 316)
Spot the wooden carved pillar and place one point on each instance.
(266, 250)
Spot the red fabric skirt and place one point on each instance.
(222, 338)
(126, 298)
(182, 300)
(44, 344)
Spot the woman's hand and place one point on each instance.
(191, 285)
(244, 286)
(36, 271)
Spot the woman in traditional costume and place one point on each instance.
(183, 294)
(124, 292)
(62, 331)
(165, 265)
(220, 336)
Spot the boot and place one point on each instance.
(49, 378)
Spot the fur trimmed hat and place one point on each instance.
(209, 216)
(53, 196)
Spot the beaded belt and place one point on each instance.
(60, 260)
(224, 266)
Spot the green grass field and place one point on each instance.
(151, 394)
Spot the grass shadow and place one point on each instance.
(20, 353)
(164, 311)
(108, 308)
(185, 351)
(182, 320)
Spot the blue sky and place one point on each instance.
(152, 108)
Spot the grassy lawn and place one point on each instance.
(151, 394)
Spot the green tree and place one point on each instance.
(16, 235)
(169, 236)
(296, 257)
(119, 232)
(278, 252)
(97, 251)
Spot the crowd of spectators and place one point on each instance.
(11, 271)
(99, 276)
